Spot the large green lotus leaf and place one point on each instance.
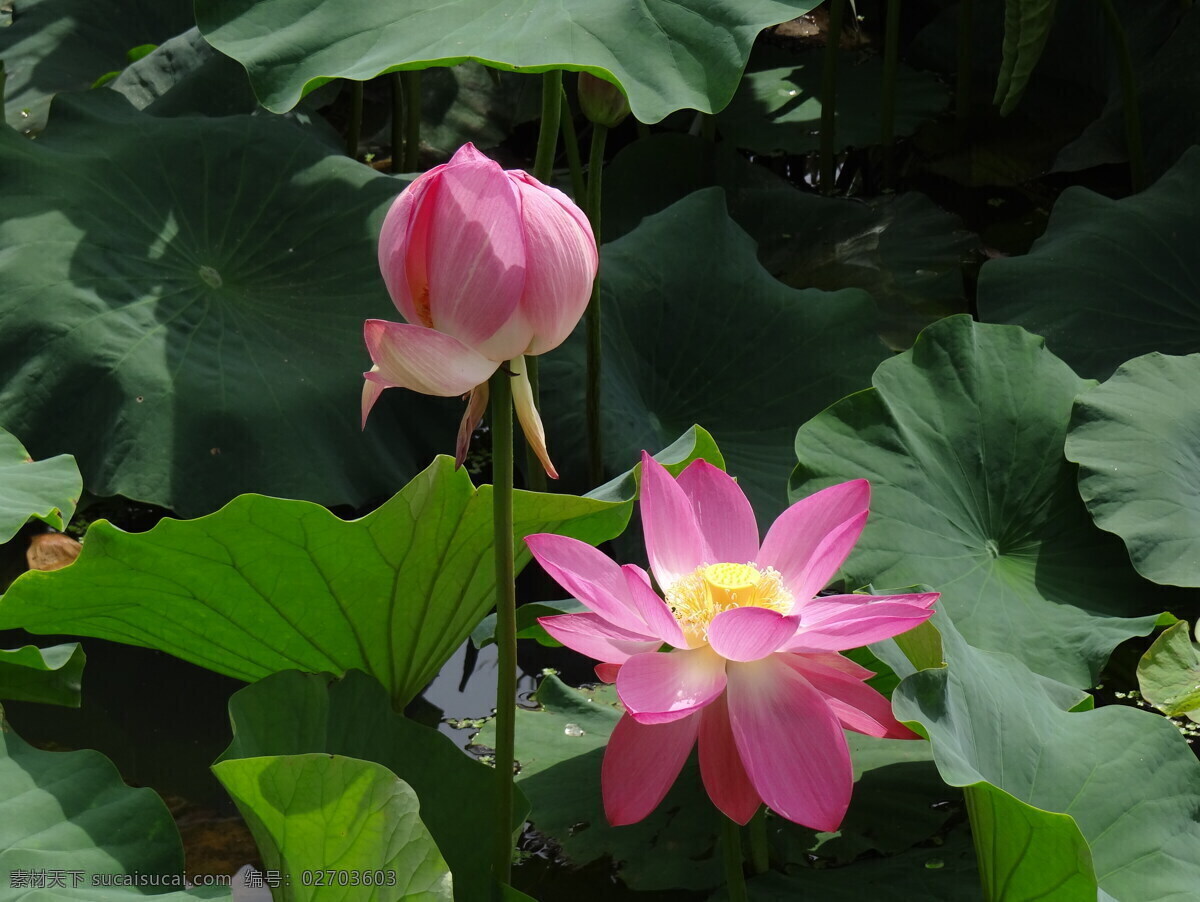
(45, 489)
(70, 811)
(183, 300)
(667, 54)
(48, 675)
(1135, 439)
(903, 249)
(185, 76)
(560, 747)
(468, 102)
(1026, 853)
(1168, 89)
(316, 812)
(294, 713)
(961, 438)
(695, 330)
(265, 585)
(777, 108)
(1108, 280)
(1126, 777)
(65, 45)
(1169, 673)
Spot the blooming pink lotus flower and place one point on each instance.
(486, 265)
(753, 671)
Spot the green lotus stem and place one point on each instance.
(547, 146)
(506, 618)
(731, 855)
(962, 69)
(354, 128)
(412, 119)
(887, 103)
(592, 401)
(760, 857)
(833, 39)
(397, 121)
(1129, 98)
(571, 143)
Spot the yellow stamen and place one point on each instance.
(708, 590)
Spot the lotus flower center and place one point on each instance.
(704, 593)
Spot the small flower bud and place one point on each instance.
(602, 101)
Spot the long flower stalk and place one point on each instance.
(760, 857)
(1129, 98)
(354, 127)
(571, 144)
(887, 113)
(506, 618)
(962, 68)
(731, 857)
(833, 40)
(397, 86)
(412, 120)
(594, 336)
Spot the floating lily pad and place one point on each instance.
(54, 46)
(695, 330)
(1134, 438)
(663, 52)
(1109, 279)
(777, 108)
(962, 438)
(266, 585)
(295, 713)
(183, 301)
(46, 489)
(1126, 777)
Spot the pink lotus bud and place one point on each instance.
(485, 265)
(602, 101)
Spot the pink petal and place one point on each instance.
(840, 663)
(607, 673)
(663, 686)
(472, 417)
(659, 619)
(799, 545)
(403, 248)
(370, 394)
(640, 764)
(790, 743)
(723, 513)
(721, 768)
(592, 635)
(747, 634)
(590, 576)
(857, 705)
(859, 626)
(836, 607)
(476, 254)
(674, 542)
(423, 360)
(527, 416)
(561, 261)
